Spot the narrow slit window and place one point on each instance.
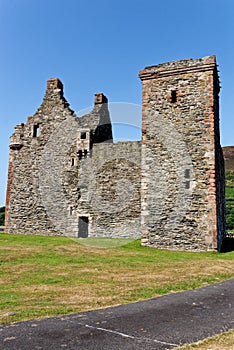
(187, 185)
(72, 161)
(36, 130)
(80, 155)
(173, 96)
(187, 173)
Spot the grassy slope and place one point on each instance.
(228, 153)
(45, 276)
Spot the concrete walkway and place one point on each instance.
(159, 323)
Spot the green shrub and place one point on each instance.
(2, 216)
(229, 177)
(230, 214)
(230, 201)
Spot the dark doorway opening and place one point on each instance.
(83, 227)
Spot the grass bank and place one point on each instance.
(224, 341)
(48, 276)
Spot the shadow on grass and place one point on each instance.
(228, 243)
(108, 243)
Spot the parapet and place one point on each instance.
(178, 67)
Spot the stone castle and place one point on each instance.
(67, 177)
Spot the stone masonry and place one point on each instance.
(183, 199)
(67, 177)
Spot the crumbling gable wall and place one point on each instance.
(25, 212)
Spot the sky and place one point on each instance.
(101, 46)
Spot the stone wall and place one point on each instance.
(183, 183)
(109, 183)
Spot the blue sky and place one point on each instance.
(100, 46)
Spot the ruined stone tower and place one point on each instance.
(183, 199)
(67, 177)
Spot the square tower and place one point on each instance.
(183, 187)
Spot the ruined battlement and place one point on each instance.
(188, 66)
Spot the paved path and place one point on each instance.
(158, 323)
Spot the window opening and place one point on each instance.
(174, 96)
(83, 135)
(80, 155)
(72, 161)
(36, 130)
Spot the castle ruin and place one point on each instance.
(66, 176)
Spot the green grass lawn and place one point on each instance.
(45, 276)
